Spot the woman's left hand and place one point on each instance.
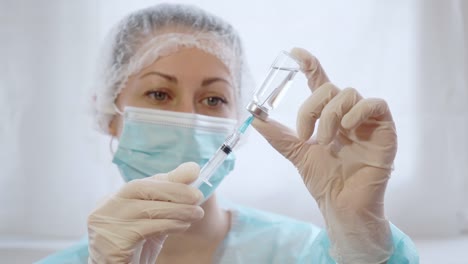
(346, 167)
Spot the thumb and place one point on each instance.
(185, 173)
(280, 137)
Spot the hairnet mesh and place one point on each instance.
(148, 34)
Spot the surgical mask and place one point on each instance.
(156, 141)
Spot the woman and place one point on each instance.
(172, 88)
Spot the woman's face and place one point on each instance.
(189, 81)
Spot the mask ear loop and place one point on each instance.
(117, 109)
(111, 146)
(111, 142)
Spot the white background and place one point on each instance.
(54, 167)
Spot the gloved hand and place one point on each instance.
(131, 226)
(346, 167)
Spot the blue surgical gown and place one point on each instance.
(261, 237)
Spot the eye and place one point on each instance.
(214, 101)
(157, 95)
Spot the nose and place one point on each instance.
(186, 104)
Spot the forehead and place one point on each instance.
(190, 63)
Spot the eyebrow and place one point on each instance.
(209, 81)
(165, 76)
(173, 79)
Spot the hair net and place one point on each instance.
(144, 36)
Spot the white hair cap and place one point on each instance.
(146, 35)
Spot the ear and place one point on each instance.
(113, 126)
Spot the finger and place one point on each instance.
(280, 137)
(134, 229)
(311, 67)
(167, 210)
(311, 109)
(371, 108)
(185, 173)
(152, 227)
(152, 190)
(143, 209)
(330, 120)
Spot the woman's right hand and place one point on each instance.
(131, 226)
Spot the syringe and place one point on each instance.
(265, 99)
(221, 154)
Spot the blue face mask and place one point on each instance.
(156, 141)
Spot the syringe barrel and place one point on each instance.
(232, 140)
(212, 165)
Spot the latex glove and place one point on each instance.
(131, 226)
(347, 166)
